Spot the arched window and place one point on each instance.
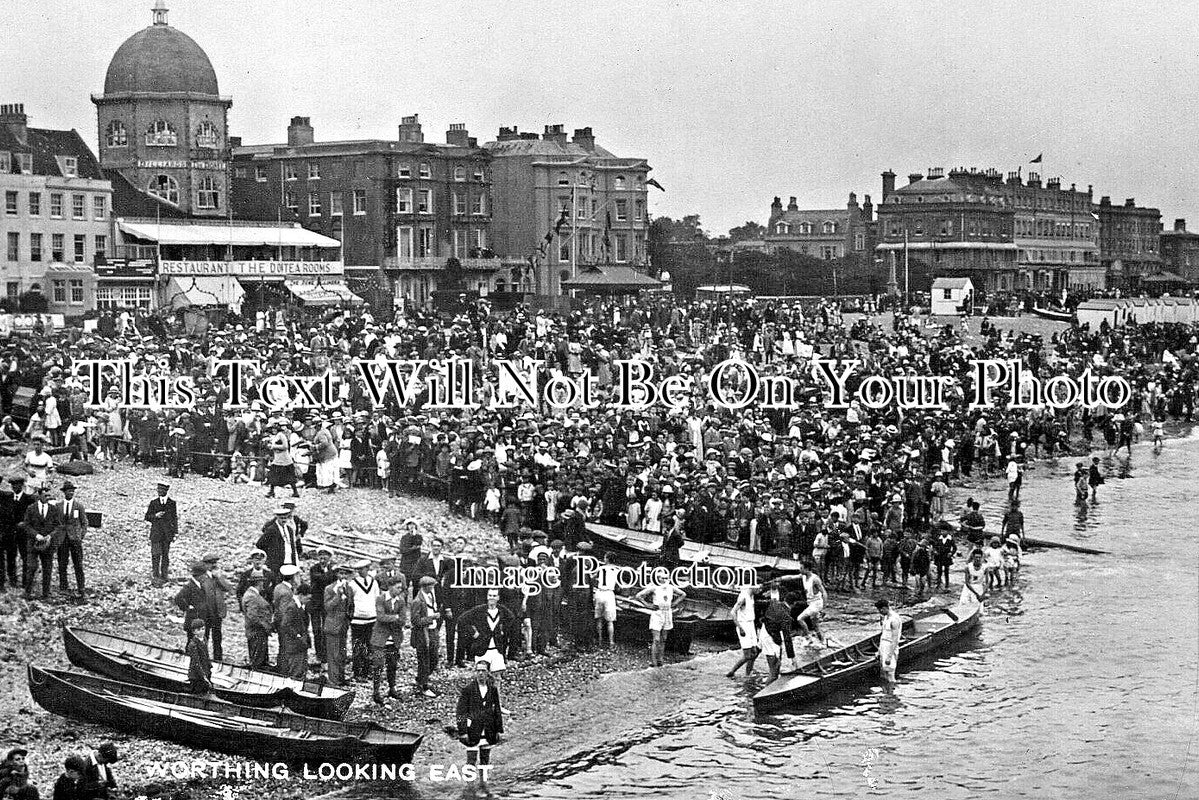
(805, 228)
(208, 136)
(619, 181)
(164, 187)
(161, 134)
(782, 228)
(208, 194)
(459, 173)
(115, 134)
(830, 227)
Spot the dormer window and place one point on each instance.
(208, 136)
(70, 167)
(619, 181)
(115, 134)
(782, 228)
(164, 187)
(805, 228)
(161, 134)
(830, 227)
(563, 179)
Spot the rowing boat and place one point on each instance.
(1056, 314)
(161, 668)
(698, 617)
(857, 663)
(978, 536)
(261, 733)
(647, 545)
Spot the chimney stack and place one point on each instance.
(776, 207)
(792, 205)
(457, 135)
(235, 141)
(867, 209)
(585, 139)
(1130, 202)
(1180, 226)
(299, 132)
(888, 183)
(555, 133)
(914, 176)
(12, 116)
(410, 129)
(935, 173)
(853, 201)
(508, 134)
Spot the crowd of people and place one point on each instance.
(87, 777)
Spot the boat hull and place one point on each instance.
(321, 701)
(633, 547)
(265, 735)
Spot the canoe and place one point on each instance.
(699, 617)
(260, 733)
(646, 546)
(161, 668)
(1049, 313)
(1029, 541)
(857, 664)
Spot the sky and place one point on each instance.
(732, 103)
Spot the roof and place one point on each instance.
(1164, 277)
(216, 232)
(46, 145)
(610, 277)
(1102, 304)
(544, 147)
(160, 59)
(129, 201)
(352, 147)
(952, 283)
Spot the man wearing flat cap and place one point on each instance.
(338, 604)
(257, 570)
(217, 584)
(162, 526)
(259, 620)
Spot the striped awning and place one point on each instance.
(326, 293)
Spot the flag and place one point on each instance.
(607, 231)
(656, 185)
(1037, 160)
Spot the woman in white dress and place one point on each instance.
(788, 344)
(664, 598)
(747, 631)
(51, 418)
(974, 589)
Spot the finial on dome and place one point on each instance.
(160, 12)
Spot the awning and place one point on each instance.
(215, 234)
(1164, 277)
(330, 293)
(184, 292)
(947, 246)
(611, 278)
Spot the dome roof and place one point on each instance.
(160, 59)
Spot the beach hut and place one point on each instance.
(1095, 312)
(952, 296)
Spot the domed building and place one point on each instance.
(162, 121)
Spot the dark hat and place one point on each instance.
(68, 487)
(199, 568)
(195, 624)
(428, 580)
(109, 751)
(17, 480)
(16, 751)
(211, 557)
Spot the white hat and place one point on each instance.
(287, 570)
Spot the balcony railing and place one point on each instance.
(438, 263)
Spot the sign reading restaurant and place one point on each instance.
(251, 269)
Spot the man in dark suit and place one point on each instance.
(387, 636)
(11, 516)
(197, 599)
(74, 522)
(98, 781)
(162, 519)
(410, 552)
(320, 575)
(43, 535)
(440, 567)
(426, 619)
(480, 720)
(292, 622)
(338, 607)
(281, 541)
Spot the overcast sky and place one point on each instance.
(731, 102)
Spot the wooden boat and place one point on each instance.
(699, 617)
(1056, 314)
(646, 546)
(858, 662)
(162, 668)
(1029, 541)
(261, 733)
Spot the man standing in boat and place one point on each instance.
(816, 597)
(888, 640)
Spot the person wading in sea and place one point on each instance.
(888, 641)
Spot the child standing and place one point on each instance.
(199, 667)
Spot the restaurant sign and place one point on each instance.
(251, 269)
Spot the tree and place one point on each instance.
(34, 302)
(747, 232)
(687, 229)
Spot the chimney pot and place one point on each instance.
(1180, 225)
(457, 135)
(1130, 202)
(913, 177)
(12, 116)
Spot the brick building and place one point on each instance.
(1180, 252)
(56, 219)
(1056, 235)
(822, 233)
(400, 208)
(1128, 242)
(600, 197)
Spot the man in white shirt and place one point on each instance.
(605, 601)
(891, 625)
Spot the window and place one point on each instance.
(563, 206)
(403, 201)
(58, 247)
(56, 205)
(622, 250)
(115, 134)
(122, 297)
(76, 291)
(289, 172)
(35, 204)
(782, 228)
(459, 173)
(404, 242)
(60, 291)
(260, 174)
(619, 182)
(564, 253)
(314, 170)
(289, 200)
(425, 242)
(70, 166)
(563, 179)
(359, 167)
(101, 245)
(458, 243)
(425, 172)
(35, 247)
(424, 202)
(622, 210)
(240, 172)
(893, 229)
(10, 203)
(947, 294)
(829, 227)
(828, 253)
(208, 195)
(477, 205)
(581, 211)
(314, 204)
(78, 206)
(640, 212)
(335, 203)
(859, 242)
(24, 163)
(80, 248)
(360, 201)
(13, 288)
(403, 170)
(208, 136)
(99, 207)
(481, 239)
(479, 175)
(14, 246)
(459, 204)
(164, 187)
(161, 134)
